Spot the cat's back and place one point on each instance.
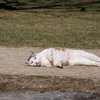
(46, 50)
(63, 51)
(56, 49)
(59, 50)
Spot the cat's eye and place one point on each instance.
(31, 62)
(35, 58)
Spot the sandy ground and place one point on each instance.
(12, 62)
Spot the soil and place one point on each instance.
(12, 63)
(15, 76)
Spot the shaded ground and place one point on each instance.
(17, 77)
(41, 84)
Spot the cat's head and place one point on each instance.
(33, 60)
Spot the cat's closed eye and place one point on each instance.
(31, 62)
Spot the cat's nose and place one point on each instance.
(36, 63)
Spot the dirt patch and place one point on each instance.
(15, 76)
(12, 63)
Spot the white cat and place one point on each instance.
(60, 57)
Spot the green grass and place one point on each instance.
(51, 24)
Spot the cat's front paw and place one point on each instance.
(59, 65)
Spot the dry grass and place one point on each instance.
(61, 25)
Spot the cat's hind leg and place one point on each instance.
(83, 61)
(91, 56)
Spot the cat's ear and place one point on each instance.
(32, 53)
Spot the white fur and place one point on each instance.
(62, 56)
